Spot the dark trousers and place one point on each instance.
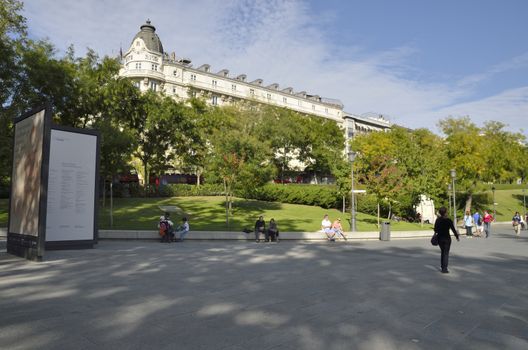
(469, 230)
(445, 245)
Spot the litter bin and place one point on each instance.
(385, 231)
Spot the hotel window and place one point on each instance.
(153, 86)
(299, 103)
(138, 65)
(136, 84)
(268, 96)
(233, 87)
(175, 73)
(313, 107)
(174, 89)
(154, 67)
(252, 92)
(326, 110)
(193, 77)
(285, 100)
(215, 100)
(214, 82)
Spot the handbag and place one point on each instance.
(434, 239)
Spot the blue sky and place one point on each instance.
(413, 61)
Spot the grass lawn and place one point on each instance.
(507, 203)
(4, 203)
(208, 213)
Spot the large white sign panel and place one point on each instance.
(71, 186)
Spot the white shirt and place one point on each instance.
(326, 224)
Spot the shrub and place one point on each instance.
(186, 190)
(325, 196)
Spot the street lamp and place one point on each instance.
(493, 191)
(351, 158)
(449, 189)
(453, 177)
(524, 202)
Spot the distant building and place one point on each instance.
(150, 67)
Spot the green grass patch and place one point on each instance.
(4, 204)
(208, 214)
(507, 203)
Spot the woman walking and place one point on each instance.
(442, 226)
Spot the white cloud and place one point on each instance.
(279, 41)
(509, 107)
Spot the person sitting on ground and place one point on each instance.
(183, 229)
(165, 227)
(326, 227)
(273, 231)
(338, 228)
(260, 228)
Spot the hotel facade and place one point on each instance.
(151, 68)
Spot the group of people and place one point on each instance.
(480, 222)
(271, 234)
(332, 229)
(168, 232)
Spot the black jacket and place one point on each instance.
(442, 226)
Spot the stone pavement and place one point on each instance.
(290, 295)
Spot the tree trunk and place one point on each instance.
(198, 175)
(469, 201)
(378, 215)
(344, 204)
(226, 203)
(390, 212)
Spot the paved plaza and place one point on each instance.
(290, 295)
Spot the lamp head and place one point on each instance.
(351, 156)
(453, 173)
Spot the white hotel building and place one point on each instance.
(150, 67)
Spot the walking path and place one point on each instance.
(290, 295)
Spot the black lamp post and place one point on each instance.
(494, 211)
(351, 158)
(524, 202)
(449, 189)
(453, 177)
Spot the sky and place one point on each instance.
(413, 61)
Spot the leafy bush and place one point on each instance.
(185, 190)
(325, 196)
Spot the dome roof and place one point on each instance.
(149, 37)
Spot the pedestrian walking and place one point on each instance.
(468, 223)
(487, 219)
(442, 226)
(516, 223)
(477, 220)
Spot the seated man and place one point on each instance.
(183, 229)
(326, 227)
(273, 231)
(165, 227)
